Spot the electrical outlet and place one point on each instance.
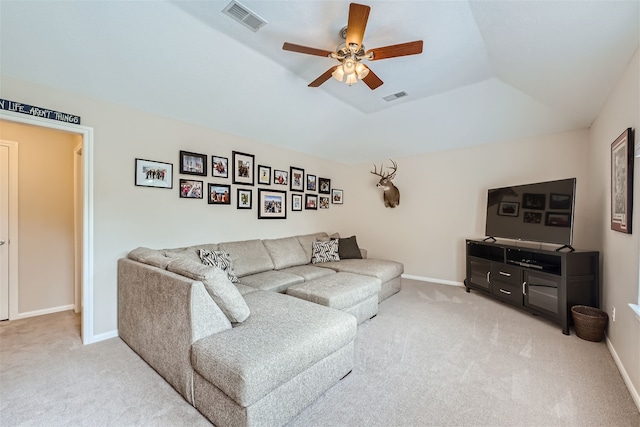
(613, 314)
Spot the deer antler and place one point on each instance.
(395, 169)
(375, 171)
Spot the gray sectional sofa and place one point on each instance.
(258, 351)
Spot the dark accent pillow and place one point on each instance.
(348, 248)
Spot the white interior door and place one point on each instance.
(4, 232)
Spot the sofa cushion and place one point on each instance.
(306, 241)
(150, 256)
(348, 248)
(219, 259)
(283, 337)
(217, 284)
(273, 280)
(244, 289)
(339, 291)
(309, 272)
(325, 252)
(382, 269)
(248, 257)
(286, 252)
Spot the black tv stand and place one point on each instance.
(493, 239)
(566, 247)
(546, 283)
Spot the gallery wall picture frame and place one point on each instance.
(280, 177)
(296, 202)
(324, 186)
(219, 194)
(193, 163)
(264, 175)
(312, 183)
(243, 168)
(532, 217)
(557, 219)
(509, 209)
(151, 173)
(219, 167)
(323, 202)
(311, 201)
(244, 198)
(297, 179)
(191, 189)
(272, 204)
(534, 201)
(337, 196)
(622, 182)
(559, 201)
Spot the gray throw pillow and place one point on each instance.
(348, 248)
(219, 259)
(217, 284)
(325, 252)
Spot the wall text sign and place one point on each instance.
(30, 110)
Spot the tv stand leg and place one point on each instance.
(466, 288)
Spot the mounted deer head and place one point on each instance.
(391, 193)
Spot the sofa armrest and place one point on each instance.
(160, 314)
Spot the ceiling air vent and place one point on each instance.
(395, 96)
(244, 16)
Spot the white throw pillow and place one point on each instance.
(219, 259)
(325, 252)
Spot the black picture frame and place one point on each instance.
(280, 177)
(193, 163)
(532, 217)
(191, 189)
(324, 186)
(243, 168)
(296, 179)
(535, 201)
(324, 202)
(151, 173)
(244, 198)
(622, 182)
(311, 202)
(508, 209)
(296, 202)
(264, 175)
(218, 194)
(559, 201)
(219, 167)
(312, 183)
(557, 219)
(272, 204)
(337, 196)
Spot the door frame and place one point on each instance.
(87, 219)
(12, 238)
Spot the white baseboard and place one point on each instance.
(432, 280)
(45, 311)
(104, 336)
(632, 390)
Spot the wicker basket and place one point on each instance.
(589, 322)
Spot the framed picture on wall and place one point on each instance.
(337, 196)
(244, 198)
(193, 163)
(311, 183)
(264, 175)
(219, 167)
(508, 208)
(324, 186)
(272, 204)
(622, 182)
(311, 201)
(296, 202)
(297, 179)
(243, 168)
(219, 194)
(150, 173)
(191, 189)
(280, 177)
(324, 202)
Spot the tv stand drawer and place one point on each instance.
(507, 292)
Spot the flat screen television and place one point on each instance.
(538, 212)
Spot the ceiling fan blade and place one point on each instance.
(372, 80)
(358, 16)
(323, 78)
(304, 49)
(403, 49)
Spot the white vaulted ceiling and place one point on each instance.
(490, 70)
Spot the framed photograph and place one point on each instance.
(193, 163)
(297, 179)
(508, 208)
(243, 168)
(244, 198)
(337, 196)
(272, 204)
(190, 189)
(311, 183)
(219, 167)
(264, 175)
(324, 202)
(296, 202)
(622, 182)
(219, 194)
(558, 219)
(324, 185)
(311, 201)
(534, 201)
(532, 217)
(150, 173)
(280, 177)
(559, 201)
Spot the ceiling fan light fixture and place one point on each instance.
(361, 70)
(351, 79)
(349, 66)
(338, 73)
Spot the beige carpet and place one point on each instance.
(434, 355)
